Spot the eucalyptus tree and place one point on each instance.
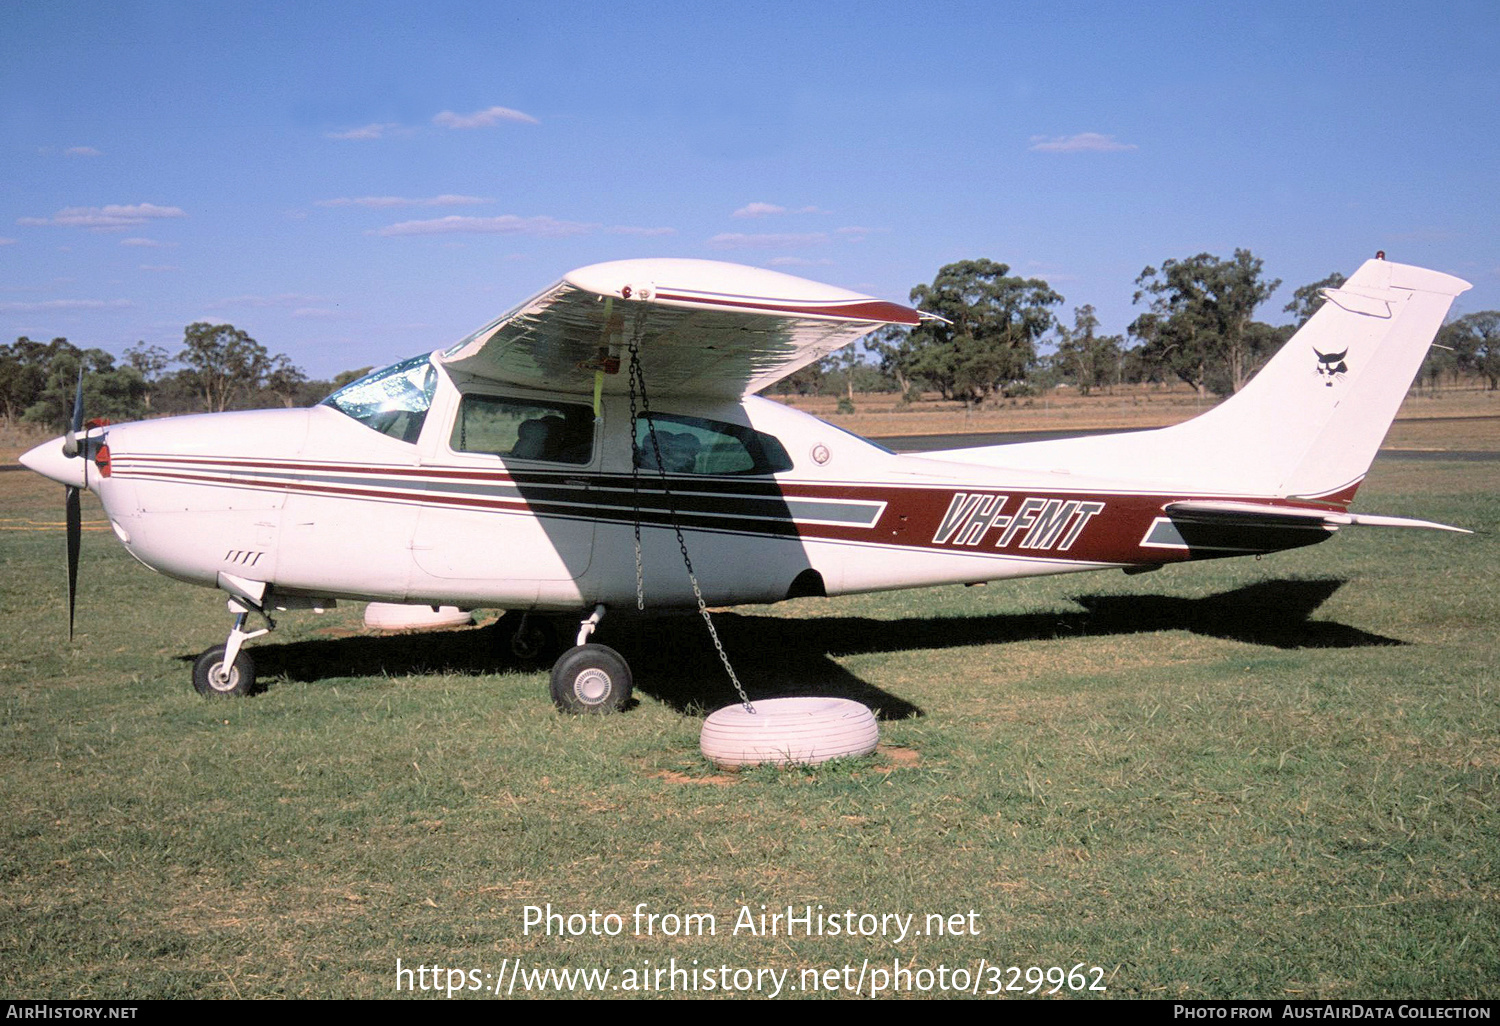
(1201, 324)
(1307, 299)
(991, 323)
(1084, 357)
(1475, 342)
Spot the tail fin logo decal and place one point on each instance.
(1331, 366)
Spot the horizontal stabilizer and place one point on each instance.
(1251, 514)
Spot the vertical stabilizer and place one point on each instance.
(1339, 382)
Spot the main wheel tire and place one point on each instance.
(208, 674)
(591, 679)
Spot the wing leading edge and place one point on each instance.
(705, 328)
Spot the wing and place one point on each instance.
(705, 328)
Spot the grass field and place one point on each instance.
(1274, 778)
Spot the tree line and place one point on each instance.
(1198, 326)
(219, 367)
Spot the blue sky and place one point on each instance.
(352, 183)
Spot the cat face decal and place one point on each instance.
(1332, 365)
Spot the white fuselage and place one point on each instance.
(316, 504)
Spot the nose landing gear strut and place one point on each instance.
(227, 669)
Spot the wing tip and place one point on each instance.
(719, 284)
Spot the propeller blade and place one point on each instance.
(70, 443)
(77, 424)
(75, 534)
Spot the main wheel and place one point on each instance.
(591, 679)
(209, 677)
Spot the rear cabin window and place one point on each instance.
(692, 445)
(524, 429)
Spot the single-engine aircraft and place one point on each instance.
(570, 455)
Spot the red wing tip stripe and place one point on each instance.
(848, 310)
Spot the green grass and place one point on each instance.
(1272, 778)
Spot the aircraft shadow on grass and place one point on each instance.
(673, 661)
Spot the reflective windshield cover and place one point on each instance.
(393, 400)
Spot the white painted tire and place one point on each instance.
(789, 731)
(391, 616)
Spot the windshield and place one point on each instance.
(392, 400)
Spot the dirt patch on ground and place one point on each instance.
(896, 757)
(712, 780)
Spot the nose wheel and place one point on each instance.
(227, 669)
(211, 677)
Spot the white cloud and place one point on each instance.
(488, 118)
(1083, 142)
(795, 261)
(1049, 272)
(509, 224)
(148, 243)
(505, 224)
(110, 218)
(376, 131)
(384, 202)
(741, 240)
(82, 151)
(315, 313)
(7, 242)
(758, 210)
(53, 284)
(159, 267)
(771, 209)
(53, 305)
(626, 229)
(263, 302)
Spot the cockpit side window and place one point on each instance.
(393, 400)
(692, 445)
(524, 429)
